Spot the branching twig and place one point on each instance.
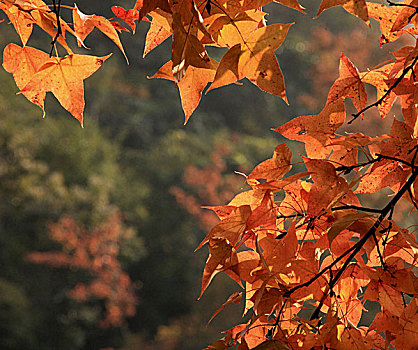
(348, 168)
(356, 207)
(380, 100)
(378, 251)
(56, 10)
(381, 156)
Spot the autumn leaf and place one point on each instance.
(230, 228)
(187, 50)
(290, 244)
(128, 16)
(381, 80)
(385, 16)
(255, 59)
(408, 321)
(315, 130)
(327, 188)
(158, 32)
(84, 25)
(23, 63)
(191, 86)
(264, 215)
(275, 167)
(41, 15)
(348, 84)
(355, 7)
(389, 173)
(408, 93)
(406, 15)
(21, 20)
(221, 253)
(64, 78)
(146, 6)
(342, 222)
(228, 30)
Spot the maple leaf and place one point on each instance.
(385, 16)
(221, 253)
(348, 84)
(147, 6)
(406, 16)
(380, 79)
(255, 59)
(84, 25)
(355, 7)
(20, 20)
(39, 13)
(315, 130)
(128, 16)
(408, 322)
(328, 187)
(408, 93)
(64, 78)
(275, 167)
(264, 215)
(192, 84)
(23, 63)
(230, 228)
(159, 30)
(228, 30)
(388, 173)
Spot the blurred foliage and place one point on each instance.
(132, 151)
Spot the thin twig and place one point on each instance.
(356, 207)
(56, 10)
(380, 100)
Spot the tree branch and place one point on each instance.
(385, 211)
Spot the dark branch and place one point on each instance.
(56, 10)
(356, 207)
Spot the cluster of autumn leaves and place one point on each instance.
(308, 255)
(239, 27)
(300, 244)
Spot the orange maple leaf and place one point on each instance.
(23, 63)
(348, 84)
(64, 78)
(255, 59)
(192, 84)
(275, 167)
(158, 31)
(21, 21)
(128, 16)
(84, 25)
(316, 130)
(355, 7)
